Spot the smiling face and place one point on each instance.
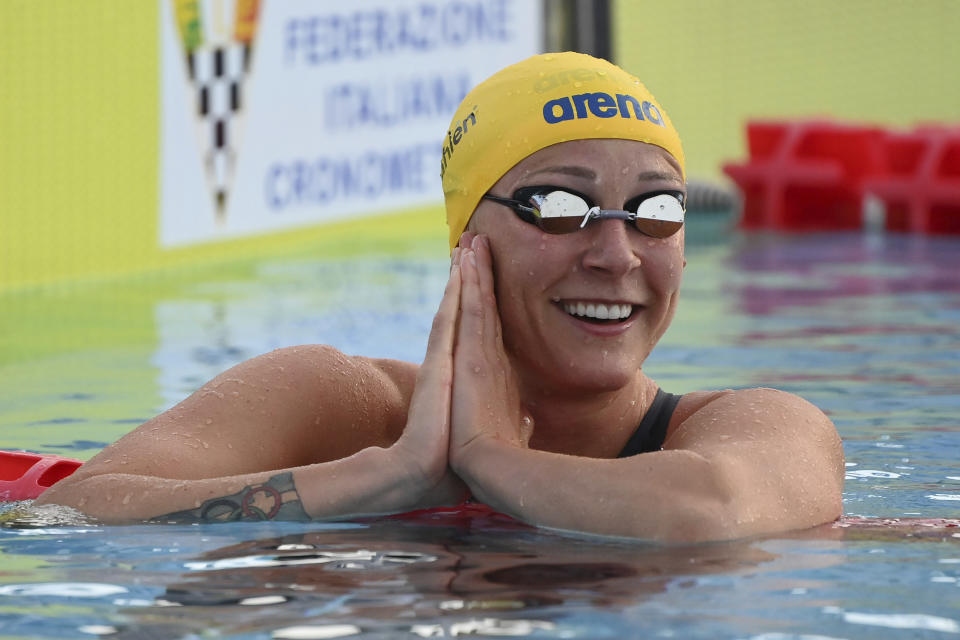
(553, 291)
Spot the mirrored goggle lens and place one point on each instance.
(659, 216)
(559, 211)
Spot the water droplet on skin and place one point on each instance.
(476, 369)
(208, 421)
(530, 273)
(126, 499)
(542, 246)
(229, 446)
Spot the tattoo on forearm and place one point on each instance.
(275, 499)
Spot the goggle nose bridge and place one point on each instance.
(596, 213)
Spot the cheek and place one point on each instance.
(666, 266)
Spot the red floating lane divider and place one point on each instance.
(24, 476)
(816, 175)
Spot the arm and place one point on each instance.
(739, 463)
(309, 429)
(747, 463)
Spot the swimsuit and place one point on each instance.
(652, 430)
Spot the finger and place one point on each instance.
(455, 257)
(431, 395)
(443, 331)
(426, 435)
(466, 238)
(470, 329)
(487, 288)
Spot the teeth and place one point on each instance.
(598, 311)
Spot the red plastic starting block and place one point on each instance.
(815, 175)
(24, 476)
(805, 175)
(919, 183)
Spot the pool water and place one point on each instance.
(865, 326)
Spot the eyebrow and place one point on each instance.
(570, 170)
(590, 174)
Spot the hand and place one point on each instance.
(486, 397)
(422, 448)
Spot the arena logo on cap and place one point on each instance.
(601, 105)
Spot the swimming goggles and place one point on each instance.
(556, 210)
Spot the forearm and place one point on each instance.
(368, 482)
(668, 496)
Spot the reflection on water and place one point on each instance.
(445, 576)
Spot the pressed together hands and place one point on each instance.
(466, 390)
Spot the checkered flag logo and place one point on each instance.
(218, 58)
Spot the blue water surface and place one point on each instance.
(864, 326)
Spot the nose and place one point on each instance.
(613, 249)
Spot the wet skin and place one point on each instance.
(572, 367)
(517, 401)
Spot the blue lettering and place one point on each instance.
(580, 102)
(350, 105)
(623, 102)
(367, 177)
(652, 113)
(364, 34)
(602, 105)
(566, 110)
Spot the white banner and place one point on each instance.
(279, 114)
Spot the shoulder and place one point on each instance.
(750, 410)
(777, 422)
(312, 391)
(326, 365)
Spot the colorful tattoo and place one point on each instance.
(275, 499)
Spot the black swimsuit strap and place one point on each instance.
(652, 430)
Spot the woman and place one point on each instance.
(564, 185)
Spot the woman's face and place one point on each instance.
(545, 283)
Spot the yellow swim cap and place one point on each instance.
(543, 100)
